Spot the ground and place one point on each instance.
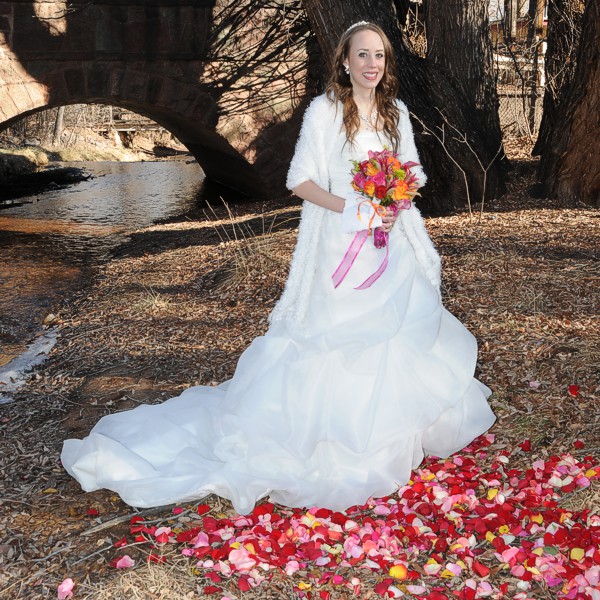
(182, 299)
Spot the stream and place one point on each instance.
(50, 242)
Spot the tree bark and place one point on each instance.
(569, 163)
(536, 7)
(459, 43)
(440, 110)
(564, 30)
(58, 126)
(511, 16)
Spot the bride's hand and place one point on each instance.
(389, 220)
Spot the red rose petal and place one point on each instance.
(243, 584)
(211, 589)
(480, 569)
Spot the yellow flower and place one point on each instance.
(537, 519)
(577, 554)
(399, 572)
(492, 493)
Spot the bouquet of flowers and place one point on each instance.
(385, 181)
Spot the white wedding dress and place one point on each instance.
(327, 414)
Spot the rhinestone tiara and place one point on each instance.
(357, 24)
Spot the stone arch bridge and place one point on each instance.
(226, 77)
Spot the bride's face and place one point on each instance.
(366, 60)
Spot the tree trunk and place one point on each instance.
(536, 8)
(402, 7)
(511, 15)
(569, 163)
(58, 126)
(459, 43)
(564, 30)
(442, 112)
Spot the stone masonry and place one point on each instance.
(225, 82)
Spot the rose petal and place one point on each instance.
(65, 589)
(125, 562)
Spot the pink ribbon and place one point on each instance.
(353, 251)
(369, 281)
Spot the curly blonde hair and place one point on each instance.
(339, 87)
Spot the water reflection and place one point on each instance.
(131, 194)
(50, 242)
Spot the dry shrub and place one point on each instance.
(152, 302)
(254, 252)
(258, 258)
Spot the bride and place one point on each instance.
(349, 388)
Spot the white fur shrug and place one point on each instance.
(321, 124)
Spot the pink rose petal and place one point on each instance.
(125, 562)
(65, 589)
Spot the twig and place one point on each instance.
(12, 585)
(122, 519)
(68, 547)
(462, 138)
(442, 141)
(91, 555)
(15, 501)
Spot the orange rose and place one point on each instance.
(372, 170)
(394, 162)
(369, 188)
(400, 191)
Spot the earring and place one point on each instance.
(347, 69)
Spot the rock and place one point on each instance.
(50, 320)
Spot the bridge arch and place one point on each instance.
(186, 111)
(228, 79)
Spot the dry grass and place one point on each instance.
(586, 498)
(255, 258)
(254, 250)
(178, 581)
(183, 299)
(42, 156)
(175, 581)
(87, 153)
(151, 302)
